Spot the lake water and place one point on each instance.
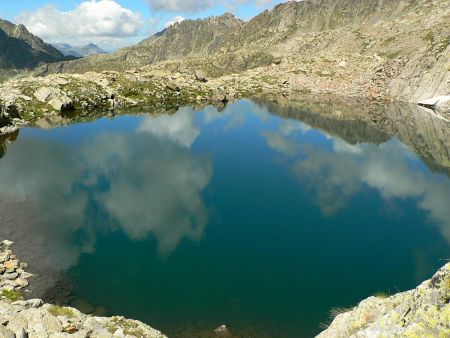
(262, 217)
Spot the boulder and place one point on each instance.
(173, 86)
(5, 333)
(434, 101)
(200, 76)
(7, 243)
(46, 93)
(62, 103)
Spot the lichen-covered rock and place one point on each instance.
(423, 312)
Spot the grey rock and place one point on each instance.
(62, 103)
(46, 93)
(7, 242)
(223, 332)
(201, 76)
(21, 333)
(6, 333)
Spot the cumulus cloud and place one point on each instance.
(181, 5)
(94, 20)
(179, 128)
(144, 183)
(194, 6)
(336, 177)
(176, 19)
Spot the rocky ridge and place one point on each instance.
(21, 50)
(33, 318)
(386, 49)
(422, 312)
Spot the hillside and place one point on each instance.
(365, 37)
(19, 49)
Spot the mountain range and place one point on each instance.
(78, 51)
(356, 31)
(381, 49)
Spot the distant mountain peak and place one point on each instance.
(79, 51)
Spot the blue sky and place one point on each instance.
(116, 23)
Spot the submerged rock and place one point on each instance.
(223, 332)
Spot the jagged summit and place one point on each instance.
(19, 49)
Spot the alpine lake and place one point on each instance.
(264, 215)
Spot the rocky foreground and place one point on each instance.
(422, 312)
(33, 318)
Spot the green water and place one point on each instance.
(240, 217)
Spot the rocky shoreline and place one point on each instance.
(21, 316)
(422, 312)
(56, 98)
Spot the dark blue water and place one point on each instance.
(241, 217)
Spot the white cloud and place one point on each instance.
(92, 21)
(176, 19)
(181, 5)
(195, 6)
(179, 128)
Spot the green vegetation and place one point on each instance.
(129, 327)
(13, 295)
(56, 311)
(429, 37)
(391, 55)
(381, 295)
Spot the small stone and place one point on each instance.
(8, 287)
(30, 303)
(223, 332)
(26, 275)
(70, 329)
(21, 282)
(172, 86)
(200, 76)
(11, 264)
(4, 256)
(11, 276)
(7, 243)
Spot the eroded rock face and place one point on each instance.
(423, 312)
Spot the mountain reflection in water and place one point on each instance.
(287, 181)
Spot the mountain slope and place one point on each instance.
(271, 29)
(19, 49)
(78, 51)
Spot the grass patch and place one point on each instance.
(381, 295)
(13, 295)
(391, 55)
(56, 311)
(128, 326)
(429, 37)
